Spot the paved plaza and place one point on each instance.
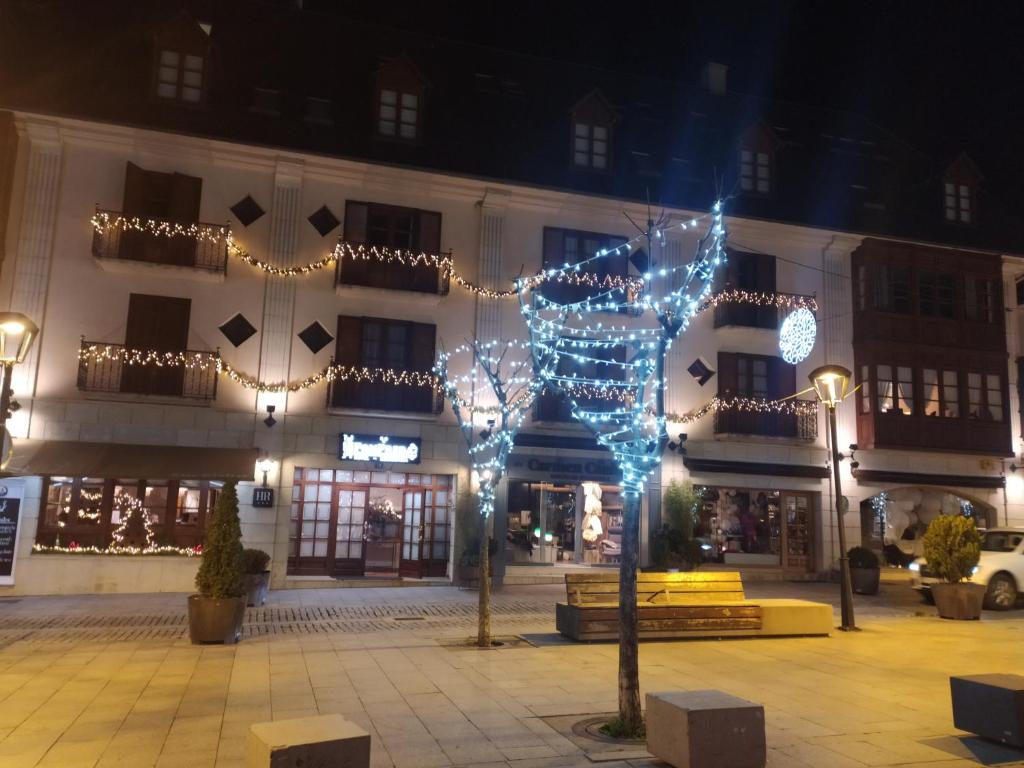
(113, 680)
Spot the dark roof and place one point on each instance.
(487, 113)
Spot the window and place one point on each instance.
(395, 345)
(398, 114)
(320, 111)
(862, 287)
(895, 395)
(1001, 541)
(959, 205)
(159, 323)
(892, 289)
(941, 393)
(1019, 285)
(865, 389)
(979, 299)
(985, 396)
(950, 394)
(758, 377)
(570, 246)
(753, 272)
(752, 377)
(406, 229)
(179, 76)
(84, 510)
(936, 294)
(590, 145)
(604, 364)
(755, 171)
(266, 101)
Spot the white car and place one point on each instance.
(1000, 568)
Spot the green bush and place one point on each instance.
(254, 561)
(220, 574)
(952, 546)
(673, 545)
(862, 557)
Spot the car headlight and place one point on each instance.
(914, 566)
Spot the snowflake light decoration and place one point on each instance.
(796, 337)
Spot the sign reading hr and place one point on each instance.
(262, 497)
(387, 449)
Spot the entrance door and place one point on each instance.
(436, 531)
(413, 529)
(798, 532)
(349, 544)
(311, 528)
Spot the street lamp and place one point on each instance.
(17, 333)
(830, 383)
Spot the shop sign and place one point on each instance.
(384, 449)
(562, 468)
(262, 497)
(10, 510)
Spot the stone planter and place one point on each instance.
(257, 586)
(958, 601)
(469, 575)
(214, 620)
(865, 580)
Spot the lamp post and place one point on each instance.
(830, 383)
(17, 333)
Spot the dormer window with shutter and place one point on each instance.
(591, 120)
(959, 188)
(757, 152)
(180, 52)
(398, 103)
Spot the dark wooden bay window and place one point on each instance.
(397, 345)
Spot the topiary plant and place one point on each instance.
(254, 561)
(952, 546)
(862, 557)
(220, 574)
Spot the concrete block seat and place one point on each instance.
(683, 605)
(323, 741)
(705, 729)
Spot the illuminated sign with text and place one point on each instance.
(385, 449)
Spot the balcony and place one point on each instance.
(109, 373)
(797, 426)
(377, 396)
(206, 252)
(367, 271)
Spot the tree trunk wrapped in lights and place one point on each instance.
(489, 400)
(612, 371)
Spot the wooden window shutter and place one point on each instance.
(355, 221)
(356, 272)
(136, 195)
(727, 374)
(348, 352)
(428, 231)
(8, 153)
(553, 247)
(767, 317)
(421, 358)
(781, 378)
(186, 193)
(159, 323)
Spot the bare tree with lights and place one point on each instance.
(490, 401)
(605, 354)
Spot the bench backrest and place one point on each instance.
(708, 587)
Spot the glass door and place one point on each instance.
(799, 532)
(413, 530)
(349, 548)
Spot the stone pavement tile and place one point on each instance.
(74, 753)
(248, 714)
(422, 758)
(524, 752)
(195, 759)
(466, 752)
(292, 701)
(817, 755)
(292, 714)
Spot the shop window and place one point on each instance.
(415, 233)
(570, 246)
(395, 345)
(936, 294)
(979, 299)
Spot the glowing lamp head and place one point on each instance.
(266, 465)
(17, 333)
(830, 383)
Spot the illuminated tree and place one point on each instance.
(605, 352)
(490, 401)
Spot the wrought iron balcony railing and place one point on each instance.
(200, 246)
(801, 426)
(107, 368)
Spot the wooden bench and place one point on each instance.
(680, 605)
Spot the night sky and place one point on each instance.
(945, 76)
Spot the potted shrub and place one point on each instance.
(215, 614)
(865, 570)
(952, 546)
(673, 546)
(257, 576)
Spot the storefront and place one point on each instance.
(562, 506)
(347, 522)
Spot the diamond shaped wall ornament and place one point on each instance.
(238, 330)
(638, 259)
(700, 371)
(247, 210)
(323, 220)
(315, 337)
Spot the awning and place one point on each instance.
(920, 478)
(695, 464)
(122, 460)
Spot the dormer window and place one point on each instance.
(755, 171)
(398, 114)
(319, 111)
(266, 101)
(179, 76)
(590, 146)
(959, 202)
